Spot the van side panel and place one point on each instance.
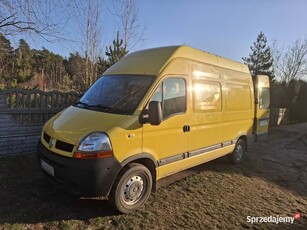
(227, 111)
(219, 111)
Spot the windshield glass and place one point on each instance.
(116, 94)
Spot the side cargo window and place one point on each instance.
(172, 95)
(264, 98)
(207, 96)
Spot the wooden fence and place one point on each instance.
(22, 115)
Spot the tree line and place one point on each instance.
(31, 68)
(22, 65)
(279, 63)
(51, 20)
(287, 70)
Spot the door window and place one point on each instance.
(171, 93)
(264, 98)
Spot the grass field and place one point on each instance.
(271, 181)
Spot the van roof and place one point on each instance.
(153, 61)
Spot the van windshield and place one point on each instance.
(120, 94)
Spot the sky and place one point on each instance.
(224, 27)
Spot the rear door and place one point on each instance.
(262, 104)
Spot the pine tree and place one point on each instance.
(24, 62)
(101, 66)
(75, 68)
(260, 61)
(6, 59)
(116, 52)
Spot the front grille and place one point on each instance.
(46, 137)
(64, 146)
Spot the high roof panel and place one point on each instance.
(152, 61)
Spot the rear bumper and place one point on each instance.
(83, 177)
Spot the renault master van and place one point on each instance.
(154, 113)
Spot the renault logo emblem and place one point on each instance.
(51, 142)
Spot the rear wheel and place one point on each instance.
(131, 188)
(238, 153)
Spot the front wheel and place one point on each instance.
(131, 188)
(238, 153)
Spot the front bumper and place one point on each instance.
(83, 177)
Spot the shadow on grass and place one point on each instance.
(27, 196)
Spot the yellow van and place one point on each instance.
(154, 113)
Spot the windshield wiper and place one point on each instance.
(104, 107)
(99, 106)
(85, 105)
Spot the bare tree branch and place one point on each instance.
(36, 17)
(88, 15)
(127, 14)
(291, 64)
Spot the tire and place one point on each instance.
(131, 188)
(238, 153)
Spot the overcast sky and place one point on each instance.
(224, 27)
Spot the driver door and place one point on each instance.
(168, 141)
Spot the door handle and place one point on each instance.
(186, 128)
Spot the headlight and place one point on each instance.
(95, 145)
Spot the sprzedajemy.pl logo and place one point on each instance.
(273, 219)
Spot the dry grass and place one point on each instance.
(271, 181)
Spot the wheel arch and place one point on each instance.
(148, 161)
(244, 138)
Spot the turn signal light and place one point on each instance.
(89, 156)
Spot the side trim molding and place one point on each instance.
(197, 152)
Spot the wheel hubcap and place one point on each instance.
(133, 190)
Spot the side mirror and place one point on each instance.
(154, 113)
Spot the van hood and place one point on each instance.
(73, 124)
